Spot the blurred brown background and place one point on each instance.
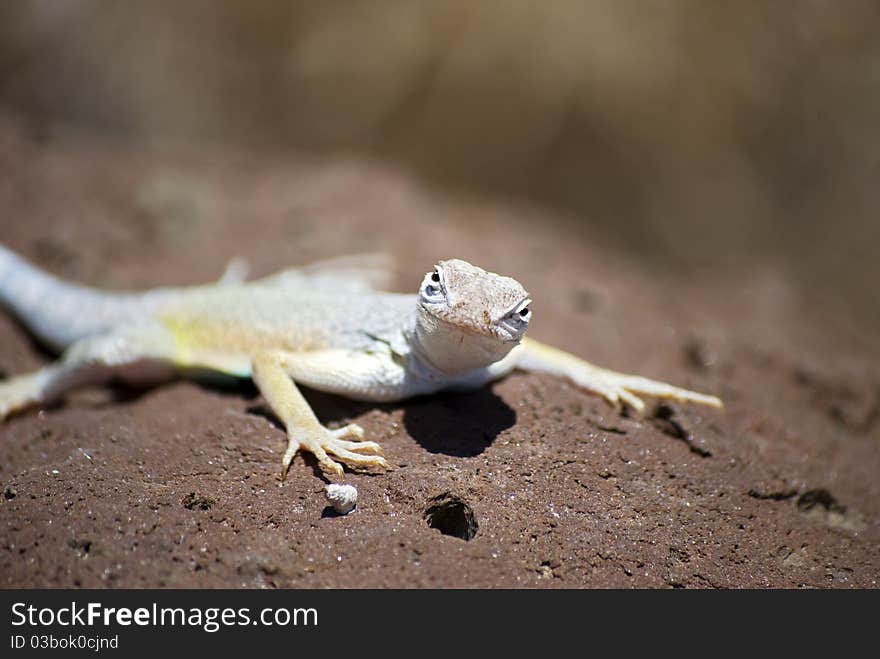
(699, 134)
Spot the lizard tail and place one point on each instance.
(57, 312)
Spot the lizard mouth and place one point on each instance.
(461, 347)
(495, 333)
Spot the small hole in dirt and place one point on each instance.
(819, 497)
(83, 547)
(193, 502)
(9, 493)
(451, 515)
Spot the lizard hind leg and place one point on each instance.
(140, 356)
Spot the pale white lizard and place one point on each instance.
(326, 326)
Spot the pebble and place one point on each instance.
(343, 497)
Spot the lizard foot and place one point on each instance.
(358, 454)
(16, 394)
(619, 389)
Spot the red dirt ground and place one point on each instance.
(179, 486)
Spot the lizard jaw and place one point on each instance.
(454, 350)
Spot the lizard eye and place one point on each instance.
(432, 289)
(520, 316)
(516, 321)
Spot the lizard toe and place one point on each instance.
(371, 448)
(353, 454)
(319, 448)
(352, 430)
(345, 451)
(636, 403)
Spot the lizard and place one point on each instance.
(329, 326)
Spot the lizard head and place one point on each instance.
(469, 318)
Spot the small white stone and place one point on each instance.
(343, 497)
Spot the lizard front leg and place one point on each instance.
(271, 371)
(616, 388)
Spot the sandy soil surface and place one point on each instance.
(179, 485)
